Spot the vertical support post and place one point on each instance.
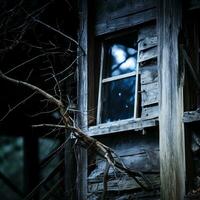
(172, 139)
(70, 173)
(82, 98)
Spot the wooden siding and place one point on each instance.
(139, 153)
(118, 14)
(148, 54)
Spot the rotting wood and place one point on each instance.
(147, 31)
(104, 13)
(150, 112)
(155, 195)
(124, 184)
(147, 43)
(147, 54)
(172, 141)
(122, 125)
(149, 74)
(146, 161)
(150, 93)
(125, 22)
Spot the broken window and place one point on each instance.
(118, 86)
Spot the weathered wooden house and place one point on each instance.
(138, 88)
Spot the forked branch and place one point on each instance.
(101, 149)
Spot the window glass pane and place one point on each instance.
(118, 99)
(121, 57)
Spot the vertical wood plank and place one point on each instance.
(82, 87)
(70, 173)
(172, 141)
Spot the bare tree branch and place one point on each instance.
(32, 87)
(31, 60)
(101, 149)
(17, 105)
(59, 32)
(48, 126)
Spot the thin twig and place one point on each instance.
(59, 32)
(32, 87)
(30, 60)
(48, 125)
(17, 105)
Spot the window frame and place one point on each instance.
(102, 80)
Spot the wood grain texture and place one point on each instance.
(147, 54)
(82, 98)
(138, 152)
(172, 141)
(149, 74)
(150, 94)
(150, 112)
(148, 42)
(124, 184)
(147, 31)
(122, 125)
(125, 22)
(113, 9)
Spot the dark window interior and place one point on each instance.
(118, 99)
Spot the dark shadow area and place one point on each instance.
(33, 49)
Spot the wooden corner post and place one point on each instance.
(172, 139)
(82, 97)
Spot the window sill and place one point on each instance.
(121, 125)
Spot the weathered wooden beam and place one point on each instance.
(104, 13)
(191, 116)
(172, 140)
(70, 166)
(82, 98)
(122, 125)
(125, 22)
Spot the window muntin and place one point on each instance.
(118, 86)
